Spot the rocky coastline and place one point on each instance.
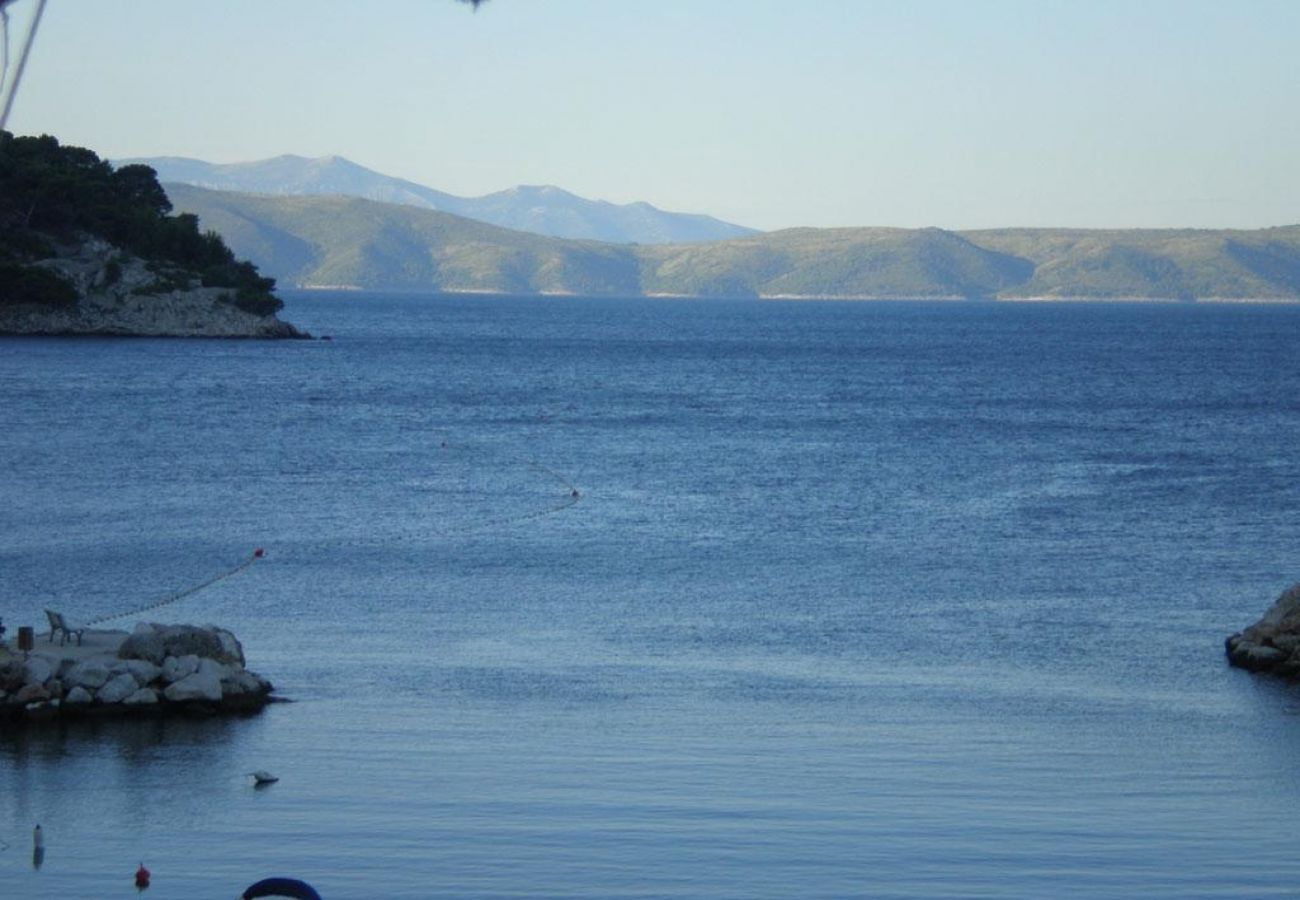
(1272, 644)
(124, 296)
(155, 670)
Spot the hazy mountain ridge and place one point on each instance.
(349, 242)
(544, 209)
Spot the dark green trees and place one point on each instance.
(51, 192)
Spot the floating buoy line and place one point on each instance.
(433, 529)
(570, 498)
(181, 595)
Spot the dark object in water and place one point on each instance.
(281, 887)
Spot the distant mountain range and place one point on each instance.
(349, 242)
(540, 210)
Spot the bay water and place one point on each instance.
(651, 598)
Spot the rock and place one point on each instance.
(135, 301)
(1287, 643)
(32, 693)
(243, 683)
(154, 643)
(91, 674)
(78, 696)
(188, 640)
(118, 689)
(1255, 657)
(146, 645)
(215, 669)
(1285, 607)
(143, 697)
(232, 652)
(141, 670)
(1273, 643)
(12, 676)
(198, 686)
(38, 670)
(175, 668)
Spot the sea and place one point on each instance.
(651, 598)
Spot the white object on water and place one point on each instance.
(261, 776)
(38, 838)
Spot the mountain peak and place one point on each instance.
(539, 208)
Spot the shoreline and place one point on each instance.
(837, 298)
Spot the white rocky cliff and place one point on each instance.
(123, 295)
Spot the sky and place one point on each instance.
(951, 113)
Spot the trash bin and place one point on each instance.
(26, 637)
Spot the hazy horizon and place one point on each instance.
(956, 115)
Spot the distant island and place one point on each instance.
(538, 209)
(349, 242)
(89, 249)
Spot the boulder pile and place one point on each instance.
(157, 669)
(1273, 643)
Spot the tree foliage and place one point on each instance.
(49, 189)
(32, 284)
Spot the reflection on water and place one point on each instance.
(57, 767)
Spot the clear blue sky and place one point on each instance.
(955, 113)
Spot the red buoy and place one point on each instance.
(142, 877)
(259, 553)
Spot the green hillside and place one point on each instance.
(1166, 263)
(348, 242)
(840, 262)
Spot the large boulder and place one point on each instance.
(92, 674)
(154, 643)
(174, 668)
(243, 683)
(78, 696)
(232, 652)
(143, 697)
(118, 689)
(204, 685)
(141, 670)
(38, 669)
(1273, 643)
(144, 644)
(13, 675)
(31, 693)
(215, 669)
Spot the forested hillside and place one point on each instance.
(54, 196)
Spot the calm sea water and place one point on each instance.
(856, 600)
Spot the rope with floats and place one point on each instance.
(571, 498)
(182, 594)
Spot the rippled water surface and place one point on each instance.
(889, 600)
